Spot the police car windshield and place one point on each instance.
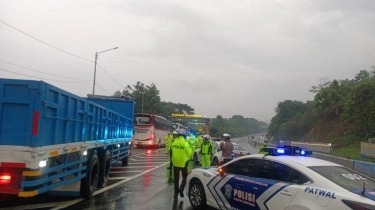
(346, 178)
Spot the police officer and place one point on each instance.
(181, 152)
(192, 141)
(207, 150)
(167, 142)
(169, 148)
(227, 148)
(260, 150)
(199, 141)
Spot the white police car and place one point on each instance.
(238, 151)
(280, 182)
(217, 157)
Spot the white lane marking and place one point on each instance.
(146, 162)
(116, 178)
(69, 203)
(125, 167)
(120, 172)
(33, 206)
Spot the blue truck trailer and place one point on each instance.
(51, 140)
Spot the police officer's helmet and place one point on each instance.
(226, 136)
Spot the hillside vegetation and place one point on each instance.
(342, 113)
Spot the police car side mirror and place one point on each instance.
(221, 172)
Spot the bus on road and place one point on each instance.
(178, 126)
(150, 130)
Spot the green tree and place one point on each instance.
(147, 98)
(362, 75)
(285, 111)
(236, 126)
(360, 108)
(170, 108)
(323, 82)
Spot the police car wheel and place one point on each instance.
(197, 196)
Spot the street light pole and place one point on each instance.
(142, 100)
(93, 87)
(96, 58)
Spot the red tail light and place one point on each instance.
(152, 136)
(5, 178)
(35, 123)
(358, 206)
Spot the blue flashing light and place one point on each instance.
(287, 150)
(280, 151)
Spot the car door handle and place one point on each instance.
(286, 193)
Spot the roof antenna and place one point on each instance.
(364, 190)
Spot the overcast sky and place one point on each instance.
(222, 57)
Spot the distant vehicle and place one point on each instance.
(217, 157)
(150, 130)
(280, 183)
(178, 126)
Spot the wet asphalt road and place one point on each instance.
(145, 183)
(151, 190)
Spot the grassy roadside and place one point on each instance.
(352, 151)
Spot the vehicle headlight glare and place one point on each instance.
(42, 163)
(84, 153)
(118, 145)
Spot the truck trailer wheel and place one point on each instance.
(125, 161)
(105, 168)
(89, 183)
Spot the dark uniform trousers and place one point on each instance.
(176, 171)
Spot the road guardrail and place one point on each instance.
(368, 149)
(327, 148)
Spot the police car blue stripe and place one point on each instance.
(214, 188)
(271, 196)
(214, 194)
(267, 193)
(218, 193)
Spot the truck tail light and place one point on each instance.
(35, 123)
(358, 206)
(5, 178)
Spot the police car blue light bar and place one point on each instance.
(288, 150)
(280, 151)
(306, 152)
